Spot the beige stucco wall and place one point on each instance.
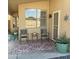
(43, 5)
(63, 6)
(11, 18)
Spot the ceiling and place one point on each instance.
(13, 4)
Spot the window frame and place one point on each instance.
(36, 16)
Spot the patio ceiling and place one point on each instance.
(13, 4)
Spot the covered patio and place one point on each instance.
(34, 27)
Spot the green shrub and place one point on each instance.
(63, 40)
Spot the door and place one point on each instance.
(56, 17)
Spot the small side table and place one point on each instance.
(34, 36)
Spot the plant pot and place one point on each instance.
(11, 37)
(63, 48)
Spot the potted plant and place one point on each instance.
(62, 44)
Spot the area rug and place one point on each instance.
(15, 47)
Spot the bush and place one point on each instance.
(63, 40)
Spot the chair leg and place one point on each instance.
(27, 39)
(41, 40)
(20, 40)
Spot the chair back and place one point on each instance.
(43, 31)
(23, 31)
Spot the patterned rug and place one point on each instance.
(15, 47)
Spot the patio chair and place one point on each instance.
(23, 34)
(44, 34)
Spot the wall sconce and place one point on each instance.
(50, 15)
(66, 17)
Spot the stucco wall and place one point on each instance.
(11, 18)
(64, 7)
(49, 6)
(43, 5)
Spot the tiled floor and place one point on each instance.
(33, 50)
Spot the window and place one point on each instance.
(32, 17)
